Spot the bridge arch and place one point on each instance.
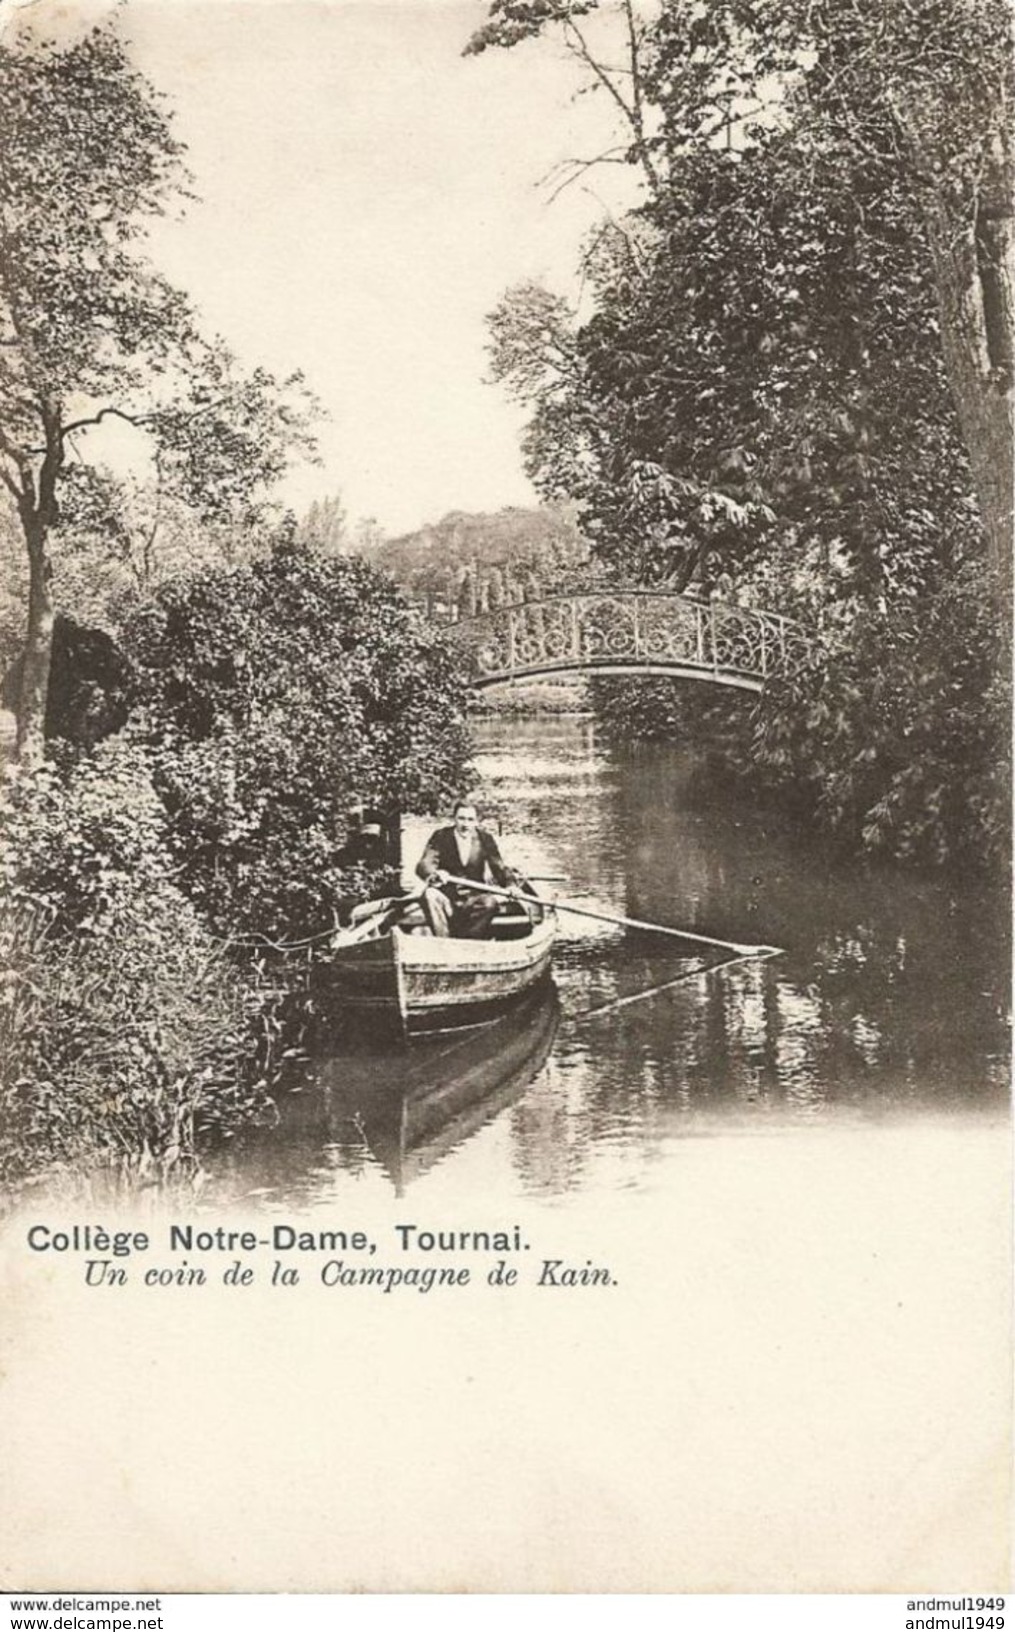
(632, 631)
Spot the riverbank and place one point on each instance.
(164, 884)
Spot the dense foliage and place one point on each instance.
(897, 734)
(153, 884)
(912, 101)
(762, 367)
(273, 699)
(893, 739)
(124, 1031)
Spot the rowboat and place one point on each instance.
(395, 971)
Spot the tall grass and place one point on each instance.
(119, 1050)
(127, 1034)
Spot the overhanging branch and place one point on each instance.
(96, 419)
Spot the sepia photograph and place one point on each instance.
(505, 716)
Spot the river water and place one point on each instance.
(887, 1002)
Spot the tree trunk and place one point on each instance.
(39, 512)
(31, 737)
(975, 274)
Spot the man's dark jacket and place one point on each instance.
(442, 852)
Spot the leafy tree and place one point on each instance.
(467, 593)
(495, 592)
(89, 329)
(922, 92)
(535, 352)
(910, 103)
(928, 87)
(119, 537)
(615, 68)
(761, 367)
(13, 583)
(273, 699)
(896, 734)
(367, 537)
(325, 527)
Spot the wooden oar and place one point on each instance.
(626, 923)
(678, 980)
(368, 910)
(365, 916)
(355, 933)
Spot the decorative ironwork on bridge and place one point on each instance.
(632, 632)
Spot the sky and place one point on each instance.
(365, 196)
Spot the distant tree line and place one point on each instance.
(474, 562)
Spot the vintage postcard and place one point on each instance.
(505, 519)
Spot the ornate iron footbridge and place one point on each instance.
(633, 631)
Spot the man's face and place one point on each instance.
(466, 821)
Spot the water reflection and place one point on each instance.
(412, 1107)
(889, 985)
(889, 998)
(398, 1108)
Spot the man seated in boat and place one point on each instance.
(463, 850)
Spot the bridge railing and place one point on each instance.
(626, 630)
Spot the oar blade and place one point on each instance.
(628, 923)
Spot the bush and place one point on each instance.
(87, 839)
(125, 1034)
(273, 699)
(898, 731)
(118, 1051)
(269, 700)
(893, 737)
